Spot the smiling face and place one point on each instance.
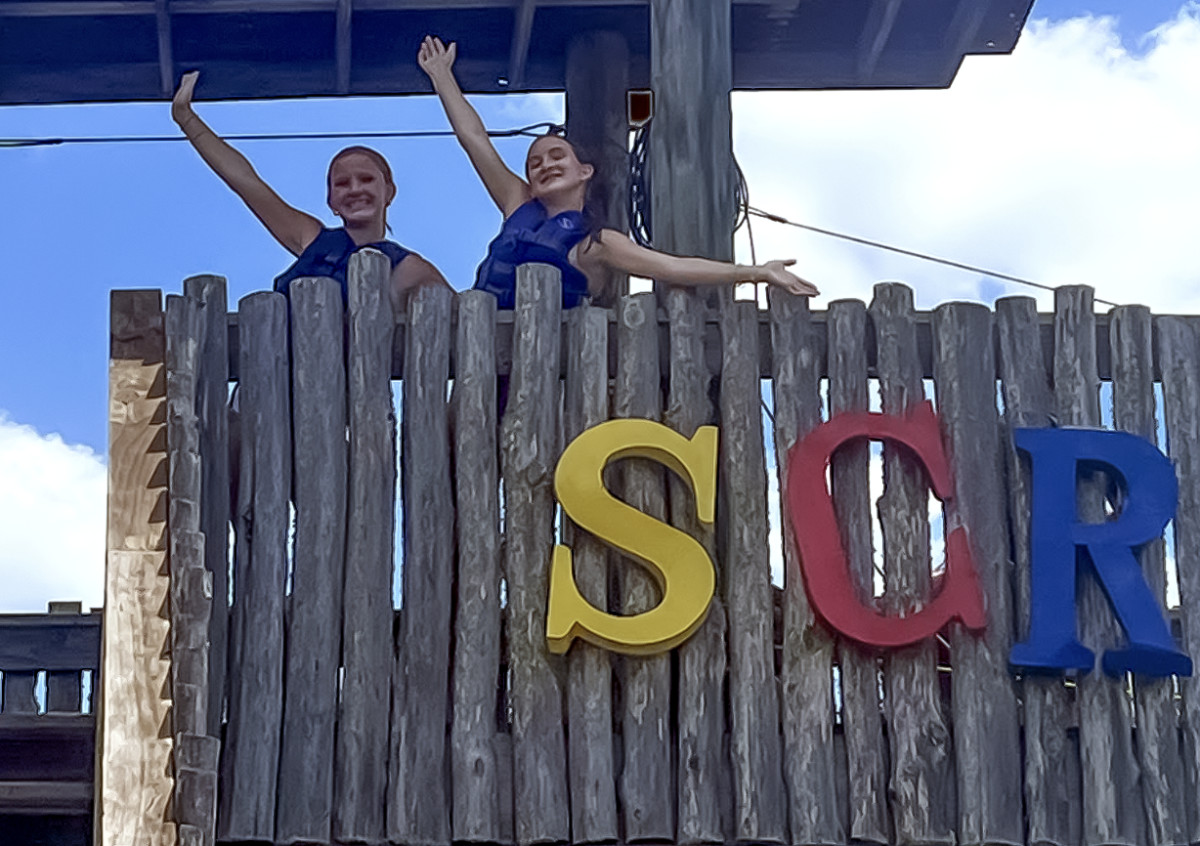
(360, 190)
(553, 169)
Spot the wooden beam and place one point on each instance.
(166, 63)
(345, 17)
(880, 21)
(964, 27)
(43, 798)
(522, 29)
(133, 740)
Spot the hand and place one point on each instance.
(775, 273)
(181, 104)
(435, 58)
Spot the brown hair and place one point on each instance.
(375, 156)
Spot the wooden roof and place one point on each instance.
(54, 51)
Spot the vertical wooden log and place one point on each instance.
(645, 682)
(704, 805)
(133, 741)
(589, 669)
(529, 453)
(314, 635)
(1158, 752)
(597, 79)
(212, 393)
(1179, 361)
(847, 326)
(419, 807)
(360, 773)
(922, 772)
(1112, 812)
(814, 812)
(755, 748)
(691, 145)
(191, 584)
(1052, 790)
(250, 764)
(475, 770)
(986, 728)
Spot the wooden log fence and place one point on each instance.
(340, 719)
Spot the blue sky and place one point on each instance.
(1064, 162)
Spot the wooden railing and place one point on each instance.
(47, 730)
(342, 720)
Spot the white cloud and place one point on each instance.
(1071, 161)
(52, 512)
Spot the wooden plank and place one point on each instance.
(760, 813)
(304, 811)
(1052, 789)
(519, 51)
(166, 62)
(212, 391)
(1158, 751)
(19, 693)
(704, 804)
(49, 642)
(250, 759)
(863, 728)
(45, 798)
(360, 774)
(1179, 359)
(196, 786)
(589, 668)
(475, 771)
(529, 453)
(646, 788)
(1112, 812)
(874, 38)
(986, 729)
(133, 742)
(921, 784)
(343, 44)
(809, 759)
(419, 805)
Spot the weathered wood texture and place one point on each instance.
(809, 760)
(1052, 789)
(589, 668)
(475, 766)
(314, 637)
(861, 717)
(921, 788)
(1112, 810)
(418, 810)
(360, 773)
(250, 757)
(133, 736)
(646, 788)
(986, 730)
(529, 451)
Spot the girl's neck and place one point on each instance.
(366, 233)
(557, 204)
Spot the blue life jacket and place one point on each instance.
(329, 255)
(530, 235)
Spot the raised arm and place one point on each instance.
(611, 249)
(507, 190)
(291, 227)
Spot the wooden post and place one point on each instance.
(1112, 811)
(589, 670)
(419, 807)
(475, 770)
(691, 136)
(529, 452)
(986, 728)
(360, 774)
(705, 806)
(922, 773)
(597, 79)
(133, 738)
(809, 762)
(250, 759)
(1158, 750)
(1052, 789)
(314, 635)
(850, 485)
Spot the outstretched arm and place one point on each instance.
(508, 190)
(611, 249)
(291, 227)
(411, 273)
